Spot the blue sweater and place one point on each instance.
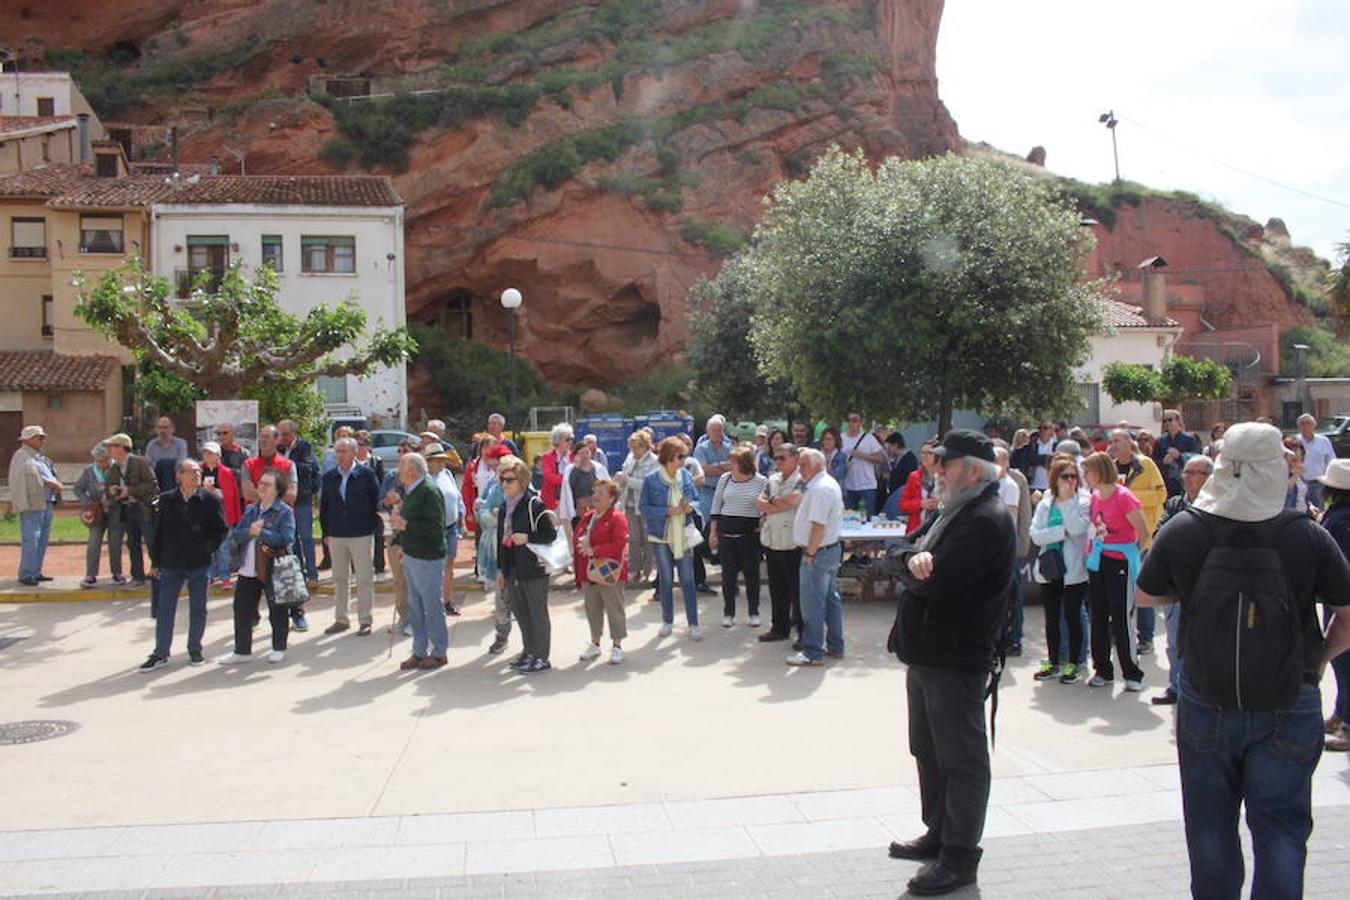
(655, 498)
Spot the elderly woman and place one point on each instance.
(836, 460)
(667, 504)
(578, 486)
(554, 462)
(524, 520)
(640, 463)
(477, 476)
(489, 507)
(601, 537)
(735, 532)
(219, 479)
(266, 529)
(438, 465)
(102, 516)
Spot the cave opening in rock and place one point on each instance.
(453, 314)
(123, 53)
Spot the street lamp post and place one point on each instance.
(1109, 119)
(511, 300)
(1301, 376)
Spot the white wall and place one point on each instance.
(377, 284)
(1129, 345)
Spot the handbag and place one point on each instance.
(692, 536)
(288, 580)
(1050, 564)
(555, 556)
(602, 570)
(93, 514)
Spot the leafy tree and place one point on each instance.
(1338, 290)
(1181, 378)
(235, 341)
(1326, 357)
(727, 377)
(920, 287)
(1132, 382)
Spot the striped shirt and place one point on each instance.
(737, 498)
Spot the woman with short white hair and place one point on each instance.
(554, 462)
(640, 463)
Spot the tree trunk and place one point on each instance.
(944, 412)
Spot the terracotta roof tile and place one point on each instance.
(26, 123)
(291, 190)
(49, 181)
(1124, 315)
(116, 193)
(41, 370)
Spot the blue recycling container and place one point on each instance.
(664, 423)
(611, 432)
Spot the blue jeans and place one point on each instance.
(1172, 623)
(822, 610)
(304, 539)
(867, 498)
(170, 583)
(426, 614)
(220, 562)
(665, 583)
(35, 528)
(1145, 623)
(1265, 759)
(1314, 493)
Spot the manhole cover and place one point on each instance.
(35, 730)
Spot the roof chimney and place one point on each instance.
(1155, 289)
(84, 137)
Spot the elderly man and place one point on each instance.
(301, 454)
(1172, 448)
(1140, 474)
(131, 481)
(1197, 469)
(496, 426)
(33, 487)
(438, 466)
(713, 455)
(349, 508)
(815, 529)
(1318, 453)
(863, 451)
(953, 611)
(232, 452)
(190, 528)
(597, 454)
(420, 521)
(165, 446)
(782, 556)
(1249, 720)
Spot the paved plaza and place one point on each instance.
(696, 769)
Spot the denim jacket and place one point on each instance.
(655, 499)
(280, 533)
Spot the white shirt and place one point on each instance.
(861, 474)
(1040, 475)
(822, 503)
(454, 503)
(1317, 455)
(1008, 493)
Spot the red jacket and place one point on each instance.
(552, 463)
(468, 492)
(229, 493)
(910, 499)
(609, 540)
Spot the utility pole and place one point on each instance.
(1109, 119)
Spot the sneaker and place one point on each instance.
(195, 658)
(771, 636)
(1069, 674)
(665, 630)
(335, 628)
(1047, 671)
(1134, 685)
(704, 589)
(224, 584)
(591, 652)
(1340, 741)
(153, 662)
(119, 579)
(536, 665)
(1144, 646)
(450, 610)
(498, 645)
(521, 662)
(754, 621)
(695, 633)
(45, 578)
(1099, 681)
(801, 659)
(728, 621)
(276, 656)
(616, 656)
(234, 659)
(298, 622)
(88, 582)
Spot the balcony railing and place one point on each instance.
(28, 252)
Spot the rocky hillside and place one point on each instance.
(599, 155)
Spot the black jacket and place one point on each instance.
(533, 518)
(956, 617)
(301, 454)
(187, 531)
(355, 516)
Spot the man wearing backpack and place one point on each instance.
(1249, 721)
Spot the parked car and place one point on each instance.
(384, 444)
(1337, 428)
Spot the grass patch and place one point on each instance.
(721, 240)
(112, 89)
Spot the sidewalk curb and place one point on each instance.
(62, 596)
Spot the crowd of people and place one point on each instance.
(1257, 520)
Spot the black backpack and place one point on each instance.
(1244, 632)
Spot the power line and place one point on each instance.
(1227, 165)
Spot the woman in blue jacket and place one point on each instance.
(268, 525)
(667, 501)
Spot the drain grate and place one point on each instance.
(35, 730)
(7, 642)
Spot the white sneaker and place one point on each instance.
(754, 621)
(233, 659)
(591, 652)
(616, 656)
(407, 630)
(276, 656)
(727, 621)
(695, 633)
(801, 659)
(666, 629)
(1133, 686)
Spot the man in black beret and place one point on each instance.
(957, 578)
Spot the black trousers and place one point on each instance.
(947, 740)
(1059, 597)
(247, 592)
(1112, 620)
(379, 545)
(785, 589)
(738, 547)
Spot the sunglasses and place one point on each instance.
(507, 479)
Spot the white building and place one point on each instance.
(1130, 339)
(328, 238)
